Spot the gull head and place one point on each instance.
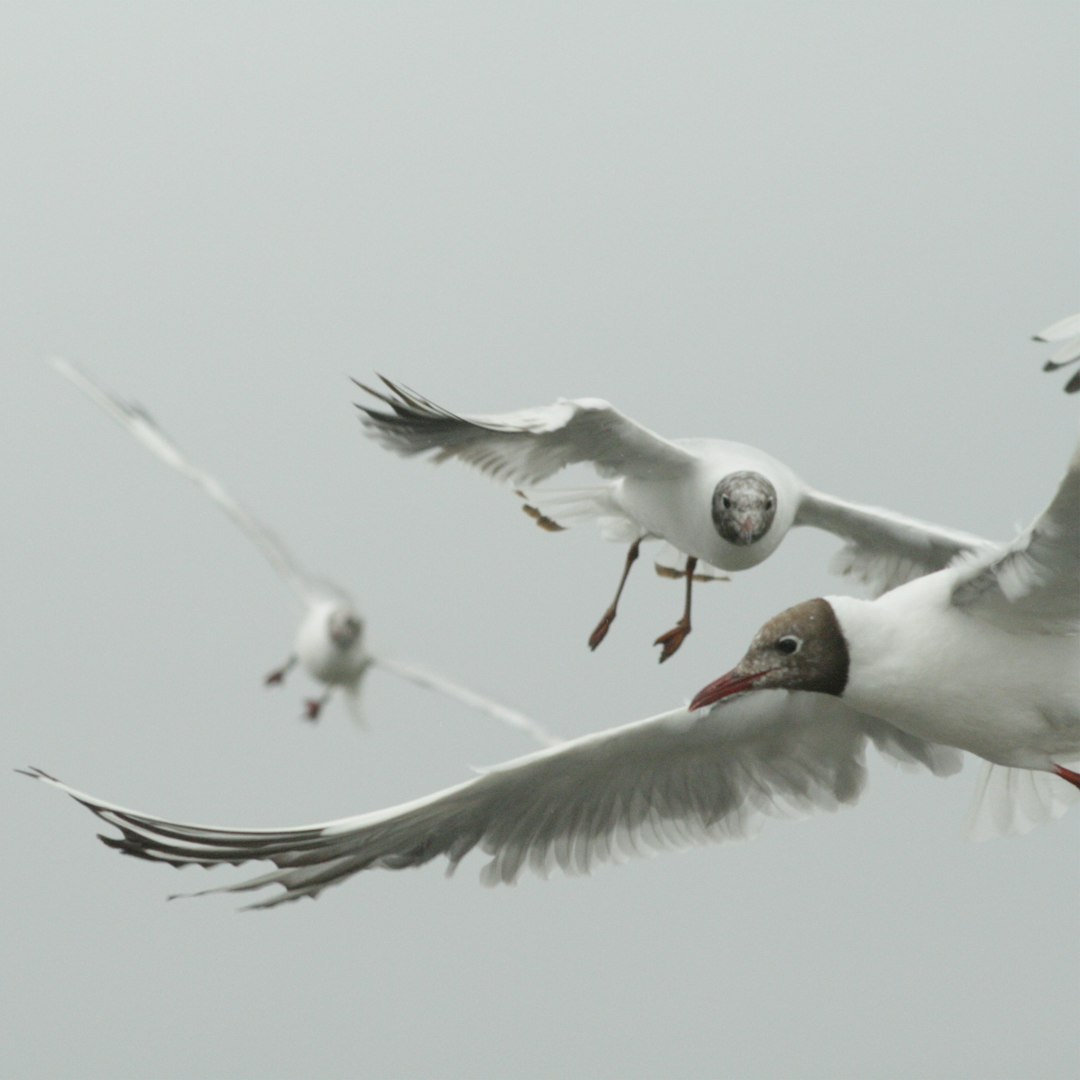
(344, 628)
(743, 507)
(802, 648)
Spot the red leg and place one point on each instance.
(671, 641)
(1068, 774)
(277, 676)
(604, 624)
(313, 706)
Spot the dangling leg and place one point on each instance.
(604, 624)
(1068, 774)
(277, 676)
(313, 706)
(677, 634)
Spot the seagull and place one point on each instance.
(329, 643)
(717, 503)
(1068, 331)
(983, 656)
(979, 657)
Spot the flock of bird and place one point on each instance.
(963, 644)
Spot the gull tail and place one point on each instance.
(1014, 801)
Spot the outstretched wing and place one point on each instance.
(671, 781)
(503, 713)
(523, 446)
(1033, 584)
(883, 549)
(143, 427)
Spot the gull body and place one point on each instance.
(330, 643)
(981, 657)
(937, 672)
(723, 504)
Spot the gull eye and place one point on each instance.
(768, 504)
(789, 644)
(725, 502)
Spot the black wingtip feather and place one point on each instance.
(36, 773)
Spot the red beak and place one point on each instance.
(726, 686)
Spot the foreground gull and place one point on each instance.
(981, 656)
(719, 503)
(330, 638)
(1067, 331)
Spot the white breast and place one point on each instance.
(680, 511)
(320, 656)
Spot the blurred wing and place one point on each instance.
(504, 714)
(671, 781)
(1033, 584)
(523, 446)
(1068, 331)
(140, 424)
(883, 549)
(1063, 328)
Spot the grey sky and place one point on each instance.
(826, 229)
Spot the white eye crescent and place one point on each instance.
(789, 644)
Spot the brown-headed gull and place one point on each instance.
(982, 656)
(1067, 331)
(717, 503)
(329, 643)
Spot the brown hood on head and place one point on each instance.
(802, 648)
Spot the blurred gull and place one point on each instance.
(717, 503)
(981, 656)
(330, 639)
(1067, 331)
